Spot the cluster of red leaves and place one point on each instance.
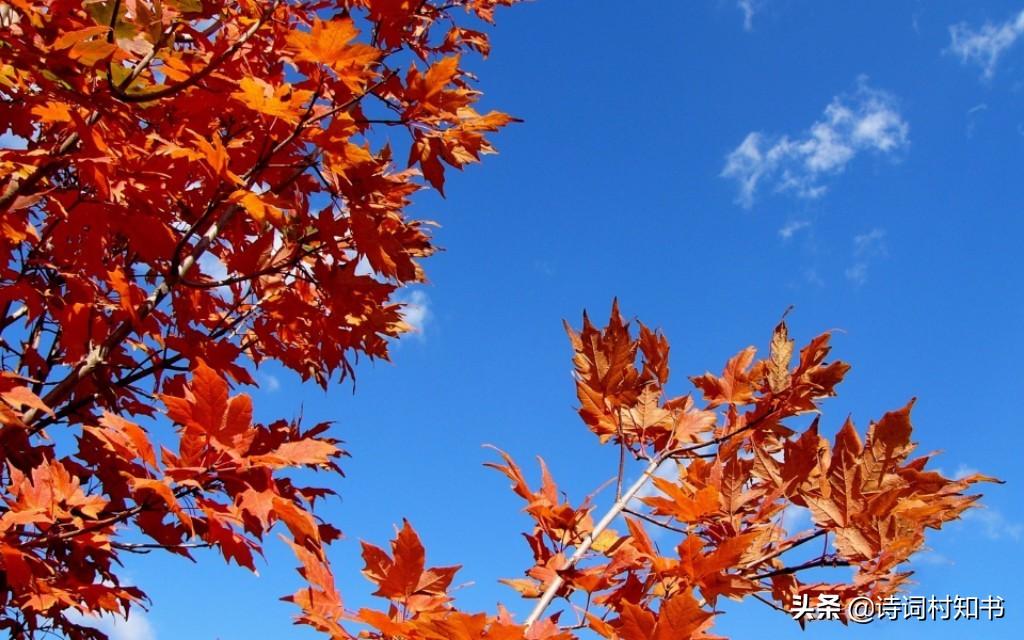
(420, 607)
(63, 517)
(201, 185)
(724, 474)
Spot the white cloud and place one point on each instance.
(972, 117)
(985, 45)
(866, 246)
(135, 627)
(929, 557)
(269, 382)
(857, 273)
(872, 243)
(789, 229)
(417, 312)
(865, 120)
(749, 8)
(212, 267)
(812, 276)
(963, 471)
(994, 525)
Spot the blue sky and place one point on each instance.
(710, 163)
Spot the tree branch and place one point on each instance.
(211, 66)
(824, 561)
(549, 594)
(654, 521)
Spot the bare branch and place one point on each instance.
(549, 594)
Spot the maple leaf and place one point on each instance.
(258, 208)
(780, 356)
(681, 505)
(647, 414)
(801, 457)
(282, 101)
(21, 396)
(320, 602)
(126, 438)
(88, 46)
(402, 575)
(679, 617)
(734, 386)
(311, 452)
(329, 42)
(606, 376)
(162, 491)
(887, 446)
(209, 417)
(690, 424)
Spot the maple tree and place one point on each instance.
(199, 186)
(189, 188)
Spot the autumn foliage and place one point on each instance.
(190, 188)
(200, 186)
(718, 472)
(725, 466)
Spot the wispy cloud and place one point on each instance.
(417, 312)
(866, 247)
(994, 525)
(135, 627)
(864, 120)
(857, 273)
(985, 45)
(963, 471)
(872, 243)
(544, 267)
(972, 117)
(790, 229)
(749, 8)
(929, 557)
(269, 382)
(812, 276)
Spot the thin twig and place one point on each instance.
(768, 602)
(825, 561)
(796, 543)
(144, 547)
(654, 521)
